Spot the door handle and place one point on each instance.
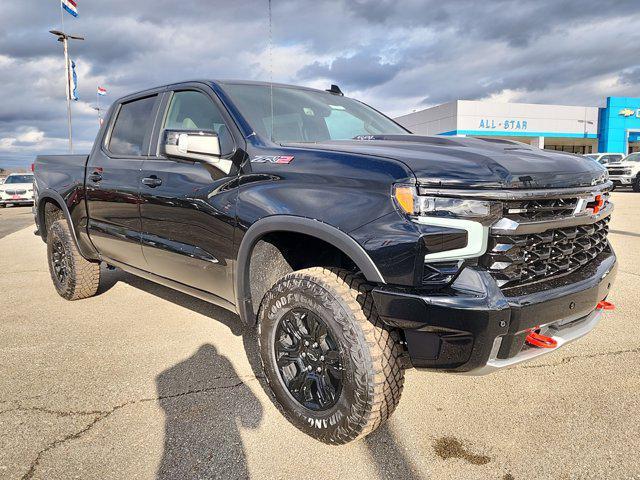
(95, 177)
(152, 181)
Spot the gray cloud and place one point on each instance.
(396, 56)
(361, 70)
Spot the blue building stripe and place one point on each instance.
(519, 133)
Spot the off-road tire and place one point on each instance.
(372, 372)
(636, 184)
(82, 277)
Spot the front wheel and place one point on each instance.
(73, 276)
(636, 184)
(333, 367)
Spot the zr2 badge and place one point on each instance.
(272, 159)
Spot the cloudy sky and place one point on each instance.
(395, 55)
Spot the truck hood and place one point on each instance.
(622, 165)
(15, 186)
(473, 162)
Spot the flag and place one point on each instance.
(73, 82)
(102, 91)
(70, 6)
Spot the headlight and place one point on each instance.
(466, 220)
(415, 205)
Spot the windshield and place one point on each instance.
(19, 179)
(634, 157)
(593, 157)
(301, 115)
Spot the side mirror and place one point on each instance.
(197, 145)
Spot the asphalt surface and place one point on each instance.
(144, 382)
(13, 219)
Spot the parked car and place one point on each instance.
(17, 189)
(605, 158)
(355, 248)
(626, 172)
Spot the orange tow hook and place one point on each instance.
(536, 339)
(604, 305)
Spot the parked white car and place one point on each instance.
(626, 172)
(605, 158)
(17, 189)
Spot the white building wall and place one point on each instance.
(431, 121)
(526, 119)
(471, 117)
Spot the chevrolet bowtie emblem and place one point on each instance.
(626, 112)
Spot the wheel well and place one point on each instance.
(279, 253)
(48, 212)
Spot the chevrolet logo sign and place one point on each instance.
(626, 112)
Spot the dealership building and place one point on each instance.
(614, 128)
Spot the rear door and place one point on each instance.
(114, 173)
(188, 208)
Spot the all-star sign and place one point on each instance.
(70, 6)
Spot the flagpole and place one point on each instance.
(65, 44)
(66, 62)
(64, 38)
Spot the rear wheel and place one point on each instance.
(73, 276)
(332, 365)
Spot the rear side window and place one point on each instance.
(132, 127)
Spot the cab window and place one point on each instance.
(192, 110)
(131, 128)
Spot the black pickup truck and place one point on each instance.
(355, 248)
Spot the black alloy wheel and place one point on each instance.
(73, 276)
(60, 262)
(332, 366)
(308, 360)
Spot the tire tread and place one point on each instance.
(84, 278)
(382, 359)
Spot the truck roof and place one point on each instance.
(215, 82)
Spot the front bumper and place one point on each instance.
(620, 180)
(473, 327)
(18, 201)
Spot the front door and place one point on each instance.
(188, 208)
(113, 177)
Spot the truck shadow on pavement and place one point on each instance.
(206, 405)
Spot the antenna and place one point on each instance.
(271, 68)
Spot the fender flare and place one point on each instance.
(48, 194)
(307, 226)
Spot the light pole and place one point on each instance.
(585, 130)
(64, 38)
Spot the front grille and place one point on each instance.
(516, 260)
(619, 171)
(539, 210)
(15, 192)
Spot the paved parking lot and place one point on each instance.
(13, 219)
(144, 382)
